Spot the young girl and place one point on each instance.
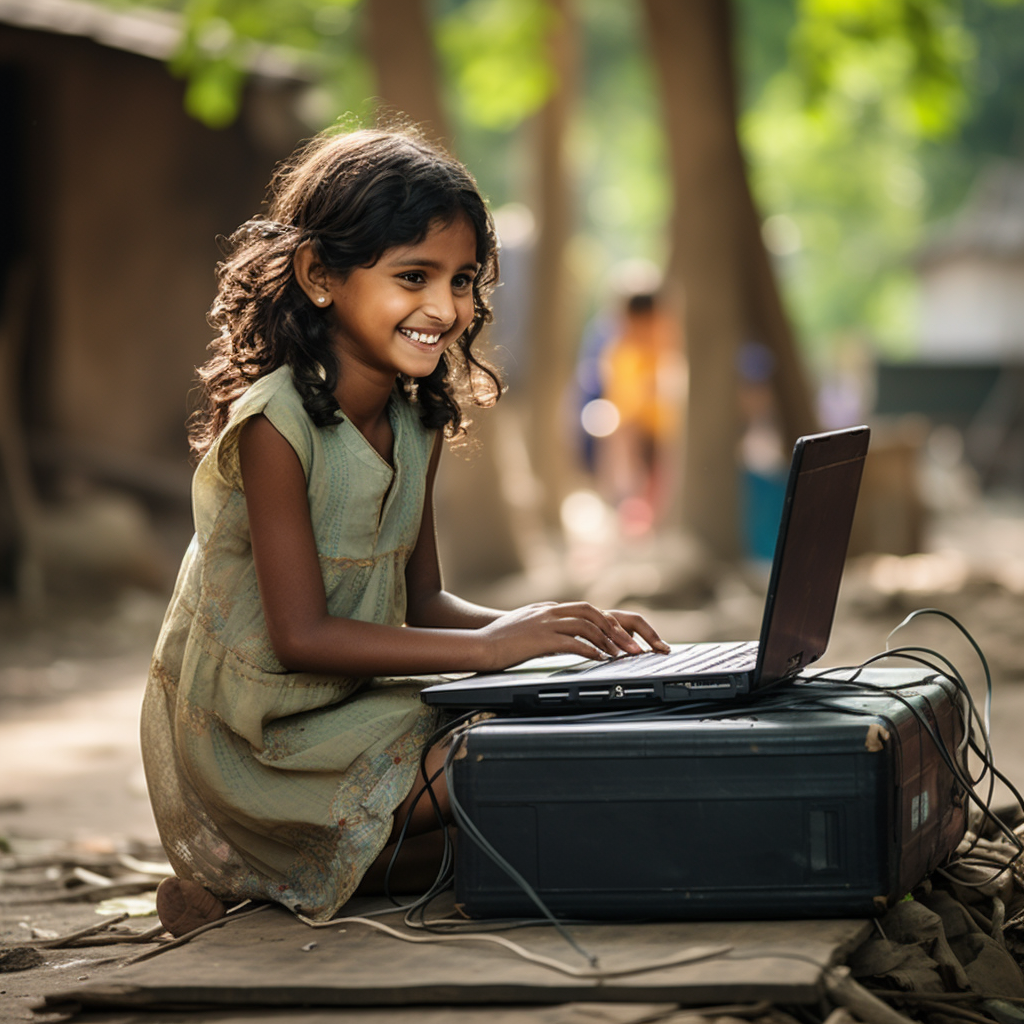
(281, 753)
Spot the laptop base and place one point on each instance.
(794, 812)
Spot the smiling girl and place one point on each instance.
(281, 742)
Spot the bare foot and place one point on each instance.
(184, 906)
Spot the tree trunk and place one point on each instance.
(690, 47)
(719, 269)
(770, 325)
(399, 40)
(551, 336)
(476, 534)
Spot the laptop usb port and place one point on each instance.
(638, 691)
(593, 694)
(553, 695)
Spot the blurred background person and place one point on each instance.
(641, 373)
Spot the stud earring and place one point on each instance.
(321, 299)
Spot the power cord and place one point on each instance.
(782, 695)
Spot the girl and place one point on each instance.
(280, 756)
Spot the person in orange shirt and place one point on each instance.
(642, 375)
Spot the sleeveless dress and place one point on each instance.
(269, 784)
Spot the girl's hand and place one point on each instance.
(575, 628)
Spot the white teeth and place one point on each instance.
(424, 339)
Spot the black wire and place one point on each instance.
(963, 775)
(963, 629)
(435, 737)
(469, 828)
(780, 695)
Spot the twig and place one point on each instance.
(61, 940)
(121, 938)
(73, 939)
(955, 1011)
(844, 991)
(182, 939)
(145, 867)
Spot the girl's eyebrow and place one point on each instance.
(413, 261)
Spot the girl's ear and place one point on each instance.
(312, 276)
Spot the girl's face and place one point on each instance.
(399, 315)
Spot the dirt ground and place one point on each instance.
(71, 684)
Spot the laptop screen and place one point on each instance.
(825, 474)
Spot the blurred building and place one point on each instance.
(972, 276)
(114, 198)
(969, 372)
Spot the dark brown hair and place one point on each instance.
(352, 197)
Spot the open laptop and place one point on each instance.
(810, 552)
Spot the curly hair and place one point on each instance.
(351, 197)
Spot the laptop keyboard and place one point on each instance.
(711, 657)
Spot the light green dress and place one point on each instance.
(269, 784)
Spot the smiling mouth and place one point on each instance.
(420, 337)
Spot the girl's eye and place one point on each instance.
(413, 276)
(462, 281)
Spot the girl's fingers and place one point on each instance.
(614, 630)
(620, 626)
(579, 627)
(638, 624)
(601, 628)
(586, 649)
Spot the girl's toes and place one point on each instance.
(183, 906)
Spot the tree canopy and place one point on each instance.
(862, 121)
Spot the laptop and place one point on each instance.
(810, 553)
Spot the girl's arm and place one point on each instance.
(429, 604)
(306, 637)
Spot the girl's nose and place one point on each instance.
(440, 306)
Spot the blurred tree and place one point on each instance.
(552, 326)
(719, 267)
(223, 38)
(401, 47)
(840, 96)
(993, 124)
(475, 529)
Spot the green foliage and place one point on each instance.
(619, 146)
(862, 120)
(994, 124)
(214, 90)
(900, 61)
(835, 139)
(495, 52)
(222, 40)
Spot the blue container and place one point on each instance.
(761, 499)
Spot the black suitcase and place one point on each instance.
(829, 809)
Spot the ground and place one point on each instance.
(71, 684)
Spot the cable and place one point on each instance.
(469, 828)
(789, 695)
(968, 740)
(699, 955)
(447, 855)
(965, 781)
(970, 639)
